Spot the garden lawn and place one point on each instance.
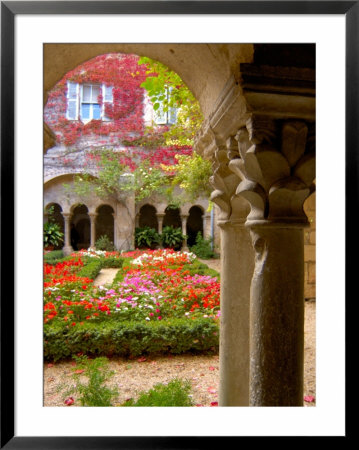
(161, 301)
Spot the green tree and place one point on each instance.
(113, 178)
(191, 174)
(160, 81)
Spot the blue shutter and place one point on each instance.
(72, 100)
(107, 97)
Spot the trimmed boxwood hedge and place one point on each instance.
(90, 269)
(131, 338)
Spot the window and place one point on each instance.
(83, 103)
(165, 117)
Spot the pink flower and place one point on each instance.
(309, 398)
(151, 314)
(214, 403)
(159, 317)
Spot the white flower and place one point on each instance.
(147, 318)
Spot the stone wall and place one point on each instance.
(309, 249)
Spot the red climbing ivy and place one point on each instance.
(125, 127)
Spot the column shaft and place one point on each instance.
(277, 317)
(236, 273)
(92, 230)
(184, 231)
(67, 249)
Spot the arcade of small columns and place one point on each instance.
(93, 215)
(68, 216)
(184, 214)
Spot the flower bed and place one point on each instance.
(152, 286)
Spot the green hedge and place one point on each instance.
(91, 269)
(52, 256)
(126, 339)
(112, 262)
(201, 269)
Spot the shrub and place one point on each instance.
(110, 338)
(104, 243)
(147, 237)
(172, 238)
(91, 269)
(175, 393)
(200, 269)
(53, 235)
(112, 262)
(94, 392)
(203, 247)
(55, 255)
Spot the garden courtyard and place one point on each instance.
(149, 288)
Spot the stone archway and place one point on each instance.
(104, 225)
(81, 223)
(148, 217)
(258, 103)
(194, 224)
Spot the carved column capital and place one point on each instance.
(277, 168)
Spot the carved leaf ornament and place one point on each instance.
(276, 177)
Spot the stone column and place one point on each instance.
(160, 217)
(277, 316)
(67, 249)
(92, 229)
(184, 230)
(279, 170)
(204, 224)
(236, 273)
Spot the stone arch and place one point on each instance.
(190, 61)
(172, 217)
(148, 217)
(80, 221)
(194, 224)
(105, 222)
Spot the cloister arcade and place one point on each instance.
(258, 102)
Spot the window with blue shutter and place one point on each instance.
(84, 100)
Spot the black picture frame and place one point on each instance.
(8, 12)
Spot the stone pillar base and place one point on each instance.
(67, 250)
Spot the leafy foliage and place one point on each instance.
(104, 243)
(53, 235)
(202, 247)
(192, 174)
(130, 338)
(94, 392)
(53, 256)
(146, 237)
(172, 237)
(159, 81)
(175, 393)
